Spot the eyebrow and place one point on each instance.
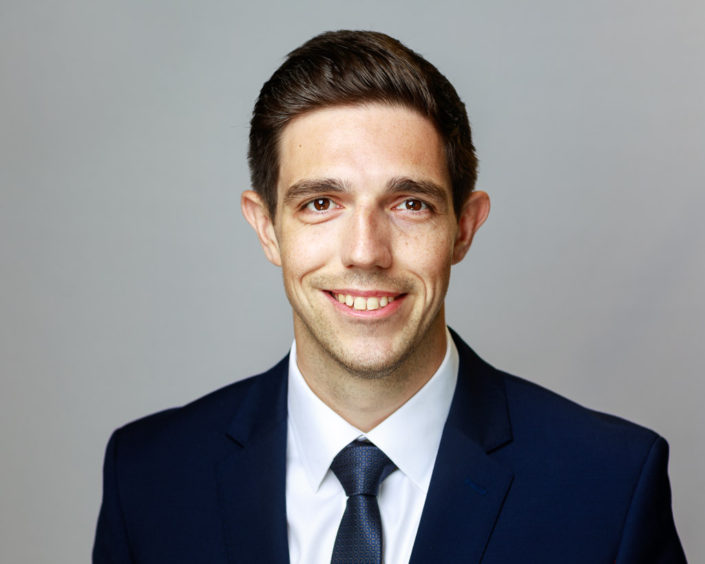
(417, 187)
(313, 187)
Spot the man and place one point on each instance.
(381, 436)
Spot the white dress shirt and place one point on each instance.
(315, 500)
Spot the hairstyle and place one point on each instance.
(356, 67)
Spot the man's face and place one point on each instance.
(365, 234)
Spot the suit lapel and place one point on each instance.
(468, 487)
(251, 480)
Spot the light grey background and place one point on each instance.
(131, 283)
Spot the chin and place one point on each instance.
(370, 366)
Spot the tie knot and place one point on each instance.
(360, 467)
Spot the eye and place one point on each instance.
(412, 204)
(319, 205)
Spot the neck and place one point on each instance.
(366, 399)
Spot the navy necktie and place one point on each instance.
(360, 467)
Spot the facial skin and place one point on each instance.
(365, 215)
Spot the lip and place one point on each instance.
(380, 313)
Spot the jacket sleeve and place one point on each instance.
(111, 543)
(649, 534)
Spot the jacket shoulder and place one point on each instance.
(203, 423)
(542, 412)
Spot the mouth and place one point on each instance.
(364, 301)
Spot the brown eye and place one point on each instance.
(414, 205)
(319, 204)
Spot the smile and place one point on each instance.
(362, 303)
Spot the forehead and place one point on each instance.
(361, 145)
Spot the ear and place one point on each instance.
(472, 216)
(257, 215)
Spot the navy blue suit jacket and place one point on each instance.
(522, 475)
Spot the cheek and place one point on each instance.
(428, 255)
(304, 252)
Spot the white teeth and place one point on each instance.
(360, 303)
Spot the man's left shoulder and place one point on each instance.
(606, 459)
(605, 473)
(547, 427)
(542, 412)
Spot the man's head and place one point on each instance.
(353, 68)
(372, 182)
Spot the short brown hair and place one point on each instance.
(355, 67)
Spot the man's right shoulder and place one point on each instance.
(161, 475)
(206, 420)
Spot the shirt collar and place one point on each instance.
(409, 437)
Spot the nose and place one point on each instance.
(366, 240)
